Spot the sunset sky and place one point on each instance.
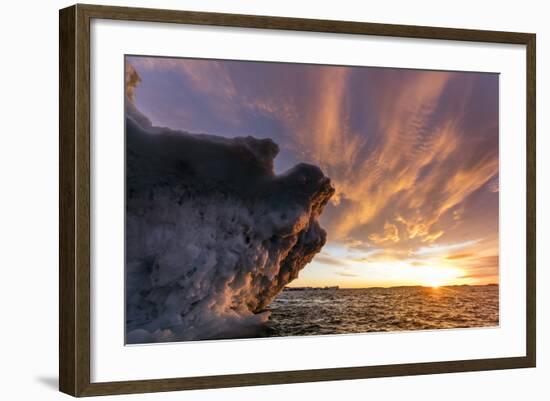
(413, 156)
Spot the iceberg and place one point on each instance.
(212, 233)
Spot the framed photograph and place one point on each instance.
(250, 200)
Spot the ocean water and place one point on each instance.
(340, 311)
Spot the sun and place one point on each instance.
(434, 283)
(436, 277)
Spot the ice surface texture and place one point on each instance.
(212, 234)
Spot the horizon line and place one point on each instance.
(388, 287)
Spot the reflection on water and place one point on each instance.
(312, 312)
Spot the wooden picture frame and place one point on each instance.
(74, 205)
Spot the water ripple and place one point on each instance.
(314, 312)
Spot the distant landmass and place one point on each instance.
(334, 287)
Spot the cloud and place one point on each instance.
(433, 236)
(347, 274)
(445, 248)
(483, 262)
(411, 166)
(407, 150)
(327, 260)
(478, 276)
(391, 234)
(459, 256)
(352, 243)
(209, 76)
(481, 268)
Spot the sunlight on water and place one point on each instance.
(312, 312)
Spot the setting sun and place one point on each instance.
(435, 283)
(439, 276)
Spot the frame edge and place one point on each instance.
(67, 271)
(531, 200)
(74, 201)
(301, 24)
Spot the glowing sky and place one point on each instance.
(413, 156)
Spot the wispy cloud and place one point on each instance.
(328, 260)
(347, 274)
(390, 234)
(444, 248)
(413, 154)
(460, 256)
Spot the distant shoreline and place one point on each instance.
(335, 288)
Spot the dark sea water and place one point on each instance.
(340, 311)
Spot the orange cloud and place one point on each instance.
(392, 167)
(433, 236)
(402, 175)
(459, 256)
(391, 234)
(411, 143)
(328, 260)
